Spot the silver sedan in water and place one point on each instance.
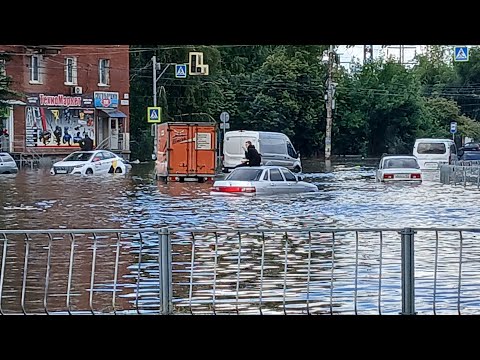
(261, 180)
(7, 164)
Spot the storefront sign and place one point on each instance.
(105, 99)
(59, 100)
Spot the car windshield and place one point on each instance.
(78, 156)
(6, 158)
(405, 163)
(431, 148)
(245, 174)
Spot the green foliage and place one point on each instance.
(380, 107)
(5, 82)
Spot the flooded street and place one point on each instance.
(214, 269)
(348, 197)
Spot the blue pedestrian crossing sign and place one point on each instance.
(461, 53)
(181, 71)
(154, 114)
(453, 127)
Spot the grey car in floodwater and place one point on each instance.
(261, 180)
(7, 164)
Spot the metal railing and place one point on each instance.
(466, 174)
(240, 271)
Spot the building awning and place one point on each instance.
(113, 113)
(12, 102)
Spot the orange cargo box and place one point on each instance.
(186, 151)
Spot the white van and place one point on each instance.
(431, 153)
(275, 148)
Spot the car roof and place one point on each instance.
(4, 154)
(434, 140)
(399, 156)
(262, 167)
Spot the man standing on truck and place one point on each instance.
(252, 155)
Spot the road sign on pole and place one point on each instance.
(460, 53)
(225, 116)
(154, 114)
(453, 127)
(181, 71)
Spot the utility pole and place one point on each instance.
(155, 78)
(329, 104)
(154, 126)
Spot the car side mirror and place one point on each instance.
(460, 152)
(299, 177)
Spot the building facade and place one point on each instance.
(67, 92)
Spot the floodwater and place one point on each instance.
(349, 197)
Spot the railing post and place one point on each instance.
(165, 276)
(408, 272)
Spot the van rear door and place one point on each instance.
(233, 149)
(431, 154)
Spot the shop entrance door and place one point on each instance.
(114, 130)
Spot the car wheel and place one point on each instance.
(118, 170)
(89, 171)
(111, 170)
(297, 169)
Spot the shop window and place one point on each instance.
(70, 71)
(104, 72)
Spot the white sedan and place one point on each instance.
(261, 180)
(398, 168)
(90, 163)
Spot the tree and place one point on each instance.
(5, 82)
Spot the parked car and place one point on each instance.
(261, 180)
(473, 155)
(398, 168)
(90, 163)
(7, 164)
(469, 151)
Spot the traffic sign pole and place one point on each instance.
(453, 129)
(224, 117)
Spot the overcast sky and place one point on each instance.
(346, 54)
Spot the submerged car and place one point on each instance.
(7, 164)
(399, 168)
(261, 180)
(90, 163)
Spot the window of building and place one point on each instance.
(35, 69)
(2, 68)
(70, 71)
(104, 72)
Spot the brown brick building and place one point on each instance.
(68, 91)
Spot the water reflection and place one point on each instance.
(349, 197)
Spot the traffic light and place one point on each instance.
(196, 66)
